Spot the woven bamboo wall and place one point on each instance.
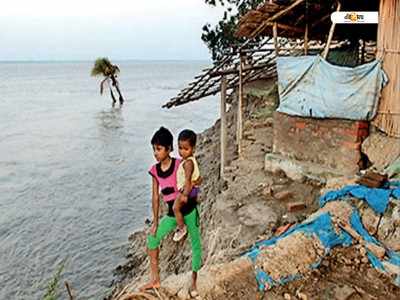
(388, 44)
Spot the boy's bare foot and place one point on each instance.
(180, 234)
(150, 285)
(193, 293)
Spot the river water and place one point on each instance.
(73, 171)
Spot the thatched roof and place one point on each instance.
(209, 81)
(315, 13)
(260, 64)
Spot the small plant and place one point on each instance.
(52, 287)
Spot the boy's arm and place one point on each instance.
(188, 166)
(155, 201)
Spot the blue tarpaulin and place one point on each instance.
(322, 228)
(376, 198)
(309, 86)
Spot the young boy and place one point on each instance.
(188, 173)
(164, 179)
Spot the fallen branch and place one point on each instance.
(122, 292)
(158, 294)
(378, 251)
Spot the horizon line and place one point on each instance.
(92, 60)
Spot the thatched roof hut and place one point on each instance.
(314, 14)
(304, 26)
(310, 20)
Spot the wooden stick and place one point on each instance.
(275, 33)
(254, 51)
(69, 290)
(158, 294)
(328, 43)
(375, 249)
(320, 20)
(122, 292)
(223, 125)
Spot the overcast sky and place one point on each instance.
(119, 29)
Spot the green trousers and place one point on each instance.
(168, 224)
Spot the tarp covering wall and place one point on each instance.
(309, 86)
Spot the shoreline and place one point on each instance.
(249, 205)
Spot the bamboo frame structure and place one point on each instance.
(262, 56)
(240, 108)
(388, 46)
(328, 43)
(276, 16)
(231, 73)
(223, 137)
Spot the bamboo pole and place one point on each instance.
(240, 108)
(388, 49)
(328, 43)
(363, 51)
(275, 33)
(306, 40)
(223, 125)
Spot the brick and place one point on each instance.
(372, 179)
(376, 176)
(351, 132)
(296, 206)
(351, 145)
(363, 132)
(361, 125)
(319, 141)
(282, 196)
(369, 182)
(300, 125)
(283, 229)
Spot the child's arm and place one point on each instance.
(188, 166)
(198, 181)
(155, 201)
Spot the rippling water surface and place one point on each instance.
(73, 181)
